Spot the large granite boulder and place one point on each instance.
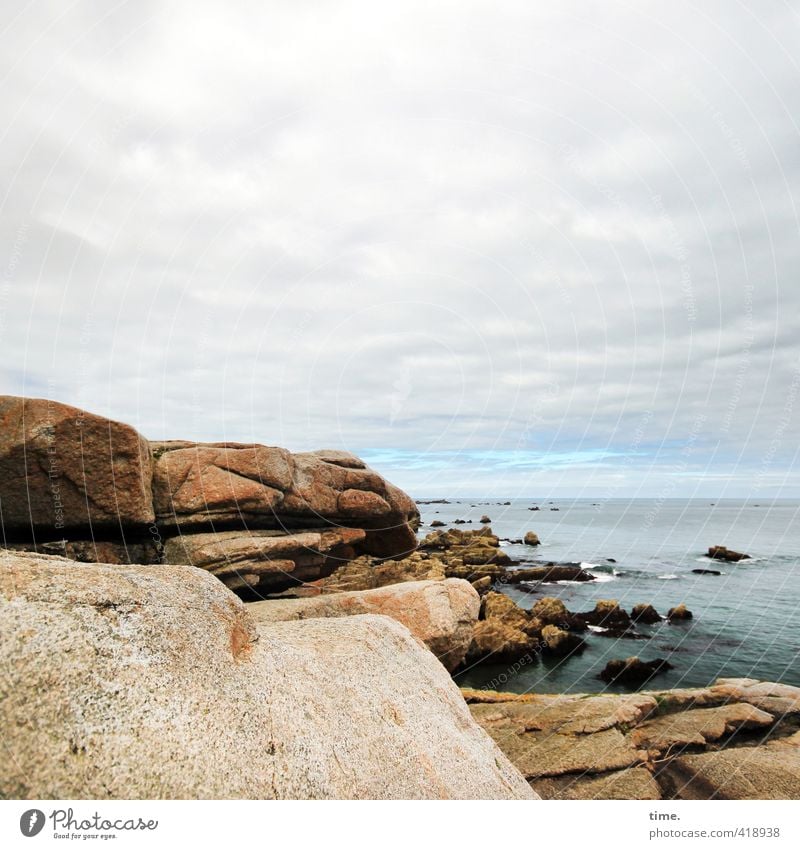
(199, 486)
(440, 613)
(63, 469)
(138, 682)
(269, 560)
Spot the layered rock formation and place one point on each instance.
(440, 613)
(737, 739)
(142, 682)
(259, 517)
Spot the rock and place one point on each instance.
(561, 643)
(706, 572)
(204, 485)
(551, 611)
(95, 551)
(548, 574)
(763, 772)
(133, 682)
(485, 520)
(460, 522)
(679, 613)
(440, 613)
(500, 606)
(483, 585)
(269, 560)
(697, 727)
(438, 523)
(607, 614)
(633, 672)
(62, 469)
(493, 639)
(364, 573)
(541, 754)
(634, 783)
(531, 538)
(646, 614)
(780, 700)
(719, 552)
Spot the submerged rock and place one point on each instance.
(133, 682)
(633, 672)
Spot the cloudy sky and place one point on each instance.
(518, 249)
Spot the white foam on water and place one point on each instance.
(599, 577)
(668, 577)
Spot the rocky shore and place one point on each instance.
(221, 620)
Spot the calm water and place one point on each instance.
(747, 620)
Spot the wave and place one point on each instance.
(670, 577)
(599, 577)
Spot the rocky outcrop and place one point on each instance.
(645, 613)
(255, 487)
(62, 469)
(259, 517)
(133, 682)
(440, 613)
(270, 560)
(679, 613)
(548, 573)
(734, 740)
(719, 552)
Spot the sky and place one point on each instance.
(520, 249)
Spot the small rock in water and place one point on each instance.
(485, 520)
(645, 613)
(633, 671)
(679, 613)
(436, 523)
(531, 538)
(719, 552)
(706, 572)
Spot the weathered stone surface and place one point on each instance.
(531, 538)
(698, 727)
(134, 682)
(577, 715)
(440, 613)
(540, 754)
(95, 551)
(551, 611)
(365, 573)
(64, 469)
(256, 486)
(270, 561)
(780, 700)
(493, 639)
(554, 738)
(635, 783)
(607, 614)
(771, 771)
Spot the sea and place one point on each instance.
(746, 619)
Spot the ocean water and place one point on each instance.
(746, 620)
